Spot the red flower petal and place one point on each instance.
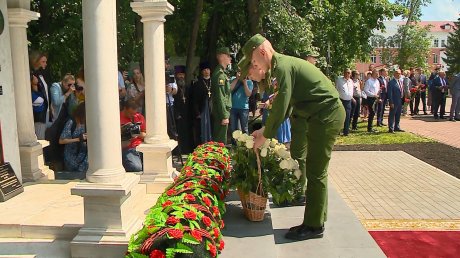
(175, 233)
(157, 254)
(197, 235)
(206, 221)
(167, 203)
(190, 215)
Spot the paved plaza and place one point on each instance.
(393, 190)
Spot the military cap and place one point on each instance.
(252, 44)
(311, 52)
(223, 50)
(244, 65)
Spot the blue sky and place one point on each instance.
(441, 10)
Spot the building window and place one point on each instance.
(443, 43)
(373, 58)
(436, 43)
(435, 58)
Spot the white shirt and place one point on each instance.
(357, 89)
(345, 88)
(372, 88)
(169, 96)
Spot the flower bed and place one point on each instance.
(187, 218)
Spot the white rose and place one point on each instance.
(236, 134)
(284, 164)
(284, 154)
(263, 152)
(266, 144)
(293, 164)
(250, 144)
(273, 143)
(298, 173)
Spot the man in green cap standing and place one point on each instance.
(221, 96)
(316, 118)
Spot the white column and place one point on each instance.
(102, 106)
(157, 147)
(111, 196)
(30, 149)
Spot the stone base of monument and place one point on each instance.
(45, 218)
(110, 219)
(158, 165)
(32, 163)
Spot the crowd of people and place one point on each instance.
(214, 103)
(371, 94)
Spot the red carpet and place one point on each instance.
(418, 244)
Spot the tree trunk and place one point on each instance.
(213, 31)
(413, 6)
(254, 16)
(192, 44)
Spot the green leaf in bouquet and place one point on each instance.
(189, 239)
(170, 252)
(183, 249)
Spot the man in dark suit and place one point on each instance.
(383, 96)
(440, 89)
(395, 94)
(421, 81)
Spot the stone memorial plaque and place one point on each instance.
(9, 183)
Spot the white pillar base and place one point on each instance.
(33, 164)
(158, 167)
(111, 216)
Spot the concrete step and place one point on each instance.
(33, 248)
(244, 238)
(344, 235)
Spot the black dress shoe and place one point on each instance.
(425, 113)
(303, 232)
(399, 130)
(391, 131)
(371, 130)
(382, 124)
(453, 120)
(442, 117)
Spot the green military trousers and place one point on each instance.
(219, 132)
(311, 145)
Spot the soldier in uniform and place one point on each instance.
(309, 98)
(221, 96)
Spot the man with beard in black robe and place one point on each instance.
(201, 106)
(182, 111)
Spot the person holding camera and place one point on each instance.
(63, 92)
(74, 138)
(132, 135)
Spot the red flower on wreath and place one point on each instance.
(167, 203)
(190, 215)
(200, 161)
(215, 211)
(207, 201)
(175, 233)
(221, 166)
(216, 232)
(172, 220)
(189, 197)
(157, 254)
(222, 224)
(221, 245)
(197, 235)
(212, 250)
(206, 221)
(219, 178)
(203, 182)
(171, 192)
(221, 144)
(215, 188)
(189, 173)
(188, 184)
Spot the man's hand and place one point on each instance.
(392, 106)
(259, 138)
(225, 121)
(353, 100)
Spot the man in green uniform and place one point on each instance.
(316, 118)
(221, 96)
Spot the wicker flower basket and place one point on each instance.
(254, 204)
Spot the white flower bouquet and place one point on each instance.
(280, 172)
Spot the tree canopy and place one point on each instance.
(453, 49)
(339, 29)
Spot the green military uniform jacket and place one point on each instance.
(220, 94)
(302, 87)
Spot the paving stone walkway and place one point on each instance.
(395, 190)
(441, 130)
